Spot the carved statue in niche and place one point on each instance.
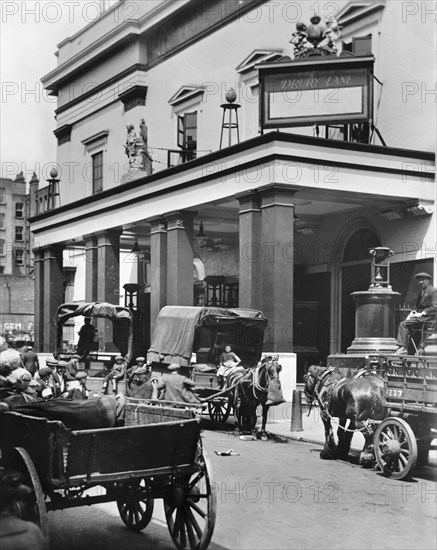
(136, 148)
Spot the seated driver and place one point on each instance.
(228, 361)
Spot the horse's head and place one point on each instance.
(272, 368)
(310, 379)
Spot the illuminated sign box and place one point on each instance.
(316, 90)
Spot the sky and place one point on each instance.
(29, 34)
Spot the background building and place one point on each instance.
(280, 221)
(16, 271)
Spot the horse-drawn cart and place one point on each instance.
(182, 333)
(156, 454)
(410, 395)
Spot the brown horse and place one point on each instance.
(357, 399)
(250, 388)
(99, 412)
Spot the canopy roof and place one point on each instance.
(175, 327)
(92, 309)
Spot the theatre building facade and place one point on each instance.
(214, 153)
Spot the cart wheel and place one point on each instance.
(191, 507)
(395, 448)
(219, 410)
(35, 509)
(136, 508)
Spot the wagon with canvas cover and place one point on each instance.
(122, 319)
(156, 454)
(195, 337)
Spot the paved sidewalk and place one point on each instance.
(280, 419)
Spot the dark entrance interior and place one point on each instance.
(355, 276)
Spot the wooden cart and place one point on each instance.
(157, 454)
(410, 391)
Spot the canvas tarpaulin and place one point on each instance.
(175, 327)
(120, 316)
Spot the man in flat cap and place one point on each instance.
(139, 362)
(176, 386)
(115, 374)
(72, 367)
(45, 388)
(78, 389)
(140, 387)
(424, 312)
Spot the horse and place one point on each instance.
(100, 412)
(249, 388)
(358, 399)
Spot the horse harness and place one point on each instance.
(321, 383)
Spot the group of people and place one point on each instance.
(174, 386)
(21, 373)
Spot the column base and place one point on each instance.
(373, 345)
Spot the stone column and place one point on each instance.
(180, 258)
(39, 299)
(276, 265)
(108, 281)
(91, 267)
(158, 267)
(250, 250)
(53, 294)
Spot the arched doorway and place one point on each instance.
(355, 275)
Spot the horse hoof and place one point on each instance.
(326, 455)
(366, 461)
(264, 437)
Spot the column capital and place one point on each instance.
(179, 219)
(276, 194)
(157, 224)
(90, 238)
(110, 233)
(250, 201)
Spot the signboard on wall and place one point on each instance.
(316, 90)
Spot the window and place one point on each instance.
(2, 247)
(361, 45)
(19, 257)
(187, 135)
(19, 209)
(19, 233)
(2, 221)
(97, 161)
(2, 195)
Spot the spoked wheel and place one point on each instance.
(191, 507)
(395, 448)
(34, 505)
(219, 409)
(136, 506)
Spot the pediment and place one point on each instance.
(185, 93)
(357, 10)
(258, 56)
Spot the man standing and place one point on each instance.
(425, 311)
(86, 338)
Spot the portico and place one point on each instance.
(275, 209)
